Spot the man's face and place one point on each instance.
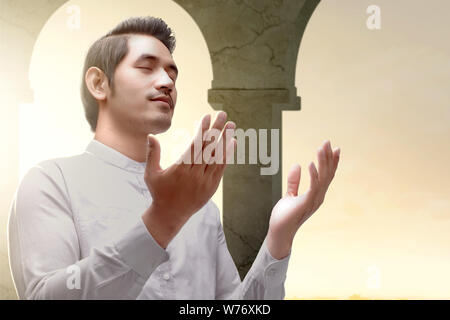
(145, 74)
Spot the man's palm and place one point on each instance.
(293, 210)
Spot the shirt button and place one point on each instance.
(166, 276)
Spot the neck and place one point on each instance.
(132, 146)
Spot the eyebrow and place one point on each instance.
(146, 56)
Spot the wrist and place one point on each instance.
(161, 224)
(279, 247)
(170, 217)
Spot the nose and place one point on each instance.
(164, 82)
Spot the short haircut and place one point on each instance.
(108, 51)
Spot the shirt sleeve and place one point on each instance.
(44, 247)
(264, 281)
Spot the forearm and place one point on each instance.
(117, 270)
(98, 276)
(265, 279)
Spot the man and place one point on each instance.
(112, 224)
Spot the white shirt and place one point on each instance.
(75, 232)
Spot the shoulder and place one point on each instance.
(46, 179)
(50, 169)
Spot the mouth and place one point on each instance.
(166, 101)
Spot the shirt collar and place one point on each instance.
(114, 157)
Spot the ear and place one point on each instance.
(97, 83)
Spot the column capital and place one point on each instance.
(277, 98)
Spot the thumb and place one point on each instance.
(153, 154)
(293, 180)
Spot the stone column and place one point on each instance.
(253, 46)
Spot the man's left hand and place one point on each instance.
(293, 210)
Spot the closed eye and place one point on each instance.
(174, 79)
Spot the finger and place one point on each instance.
(323, 170)
(314, 187)
(227, 135)
(323, 187)
(315, 177)
(336, 157)
(216, 128)
(293, 180)
(215, 152)
(188, 157)
(229, 155)
(153, 154)
(328, 152)
(199, 140)
(227, 145)
(219, 123)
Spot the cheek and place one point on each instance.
(129, 85)
(174, 97)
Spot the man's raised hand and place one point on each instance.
(186, 186)
(293, 210)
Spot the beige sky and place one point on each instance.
(381, 95)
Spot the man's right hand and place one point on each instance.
(183, 188)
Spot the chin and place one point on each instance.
(161, 125)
